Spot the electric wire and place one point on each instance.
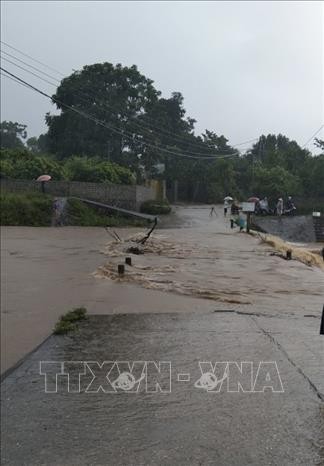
(111, 128)
(139, 124)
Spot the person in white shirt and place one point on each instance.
(226, 206)
(264, 206)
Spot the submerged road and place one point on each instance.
(275, 418)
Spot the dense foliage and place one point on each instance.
(22, 164)
(80, 214)
(12, 134)
(26, 209)
(113, 123)
(36, 209)
(155, 208)
(97, 171)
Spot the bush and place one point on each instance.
(22, 164)
(80, 214)
(26, 209)
(156, 207)
(67, 322)
(96, 171)
(275, 182)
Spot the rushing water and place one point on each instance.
(207, 259)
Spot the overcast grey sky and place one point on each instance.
(244, 68)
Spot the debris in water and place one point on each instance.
(134, 250)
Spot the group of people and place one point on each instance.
(262, 207)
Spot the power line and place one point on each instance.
(30, 66)
(54, 85)
(88, 95)
(203, 155)
(136, 123)
(28, 71)
(13, 79)
(31, 58)
(111, 128)
(309, 140)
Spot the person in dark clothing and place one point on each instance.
(290, 206)
(234, 208)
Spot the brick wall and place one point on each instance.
(125, 196)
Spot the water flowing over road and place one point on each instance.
(202, 293)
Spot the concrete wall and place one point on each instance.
(299, 228)
(319, 228)
(125, 196)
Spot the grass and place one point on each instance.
(36, 209)
(156, 207)
(26, 209)
(79, 214)
(68, 322)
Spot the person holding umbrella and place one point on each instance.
(227, 203)
(43, 179)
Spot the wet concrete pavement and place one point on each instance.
(182, 425)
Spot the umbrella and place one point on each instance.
(228, 198)
(43, 179)
(253, 199)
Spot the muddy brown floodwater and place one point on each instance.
(200, 292)
(202, 264)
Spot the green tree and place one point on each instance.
(96, 170)
(32, 144)
(113, 94)
(12, 135)
(37, 145)
(319, 143)
(22, 164)
(275, 182)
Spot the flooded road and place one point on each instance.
(168, 417)
(208, 259)
(200, 265)
(200, 293)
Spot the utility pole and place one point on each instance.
(252, 180)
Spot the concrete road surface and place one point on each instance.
(168, 417)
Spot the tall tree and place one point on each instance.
(113, 94)
(12, 135)
(37, 145)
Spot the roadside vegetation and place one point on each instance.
(80, 214)
(155, 139)
(25, 209)
(36, 210)
(23, 164)
(155, 207)
(68, 322)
